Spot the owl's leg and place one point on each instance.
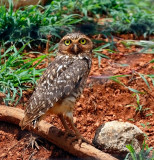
(67, 130)
(79, 137)
(63, 121)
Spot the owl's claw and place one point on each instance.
(75, 138)
(68, 133)
(76, 134)
(80, 139)
(35, 144)
(33, 141)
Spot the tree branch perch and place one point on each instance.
(51, 133)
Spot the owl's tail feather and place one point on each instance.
(24, 122)
(29, 121)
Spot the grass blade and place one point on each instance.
(144, 79)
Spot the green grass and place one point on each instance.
(34, 23)
(16, 73)
(139, 108)
(140, 24)
(142, 155)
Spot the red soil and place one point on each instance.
(103, 100)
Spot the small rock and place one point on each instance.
(112, 137)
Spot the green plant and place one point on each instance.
(97, 51)
(136, 19)
(15, 71)
(138, 24)
(146, 125)
(115, 79)
(35, 23)
(147, 46)
(95, 7)
(142, 155)
(139, 107)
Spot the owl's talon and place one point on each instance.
(68, 133)
(35, 144)
(85, 140)
(82, 139)
(79, 140)
(33, 141)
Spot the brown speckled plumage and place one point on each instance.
(62, 82)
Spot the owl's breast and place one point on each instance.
(64, 106)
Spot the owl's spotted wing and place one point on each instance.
(57, 82)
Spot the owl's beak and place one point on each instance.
(75, 48)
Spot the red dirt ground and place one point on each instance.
(103, 100)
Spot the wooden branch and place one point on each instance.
(52, 134)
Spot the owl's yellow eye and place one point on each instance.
(83, 41)
(67, 42)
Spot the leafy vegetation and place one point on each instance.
(35, 23)
(139, 24)
(138, 107)
(138, 18)
(142, 155)
(59, 17)
(16, 73)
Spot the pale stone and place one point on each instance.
(113, 137)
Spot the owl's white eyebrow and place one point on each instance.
(67, 39)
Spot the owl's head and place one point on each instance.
(75, 44)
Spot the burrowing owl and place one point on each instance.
(62, 83)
